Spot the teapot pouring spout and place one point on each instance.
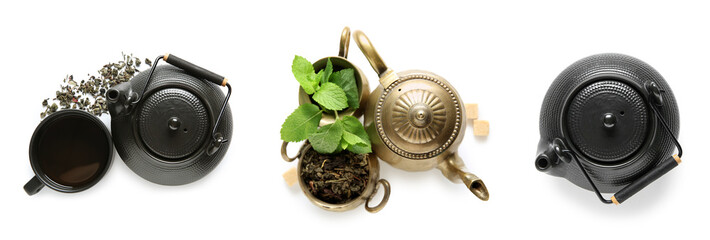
(121, 98)
(454, 169)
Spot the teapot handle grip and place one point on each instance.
(643, 181)
(195, 70)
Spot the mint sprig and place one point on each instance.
(301, 123)
(331, 97)
(333, 91)
(345, 79)
(327, 138)
(305, 75)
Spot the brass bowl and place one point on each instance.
(340, 62)
(370, 189)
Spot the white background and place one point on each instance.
(502, 55)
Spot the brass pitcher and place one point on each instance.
(370, 189)
(340, 62)
(416, 121)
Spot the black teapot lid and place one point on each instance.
(173, 123)
(607, 121)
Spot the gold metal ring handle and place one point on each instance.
(284, 155)
(370, 53)
(344, 43)
(386, 198)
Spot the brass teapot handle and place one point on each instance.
(370, 53)
(344, 43)
(382, 203)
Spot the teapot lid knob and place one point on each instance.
(174, 123)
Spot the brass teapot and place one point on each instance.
(416, 120)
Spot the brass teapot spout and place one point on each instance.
(454, 169)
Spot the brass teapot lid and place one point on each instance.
(422, 112)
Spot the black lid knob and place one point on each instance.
(609, 120)
(174, 123)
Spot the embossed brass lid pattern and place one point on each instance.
(418, 116)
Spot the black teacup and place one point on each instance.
(70, 151)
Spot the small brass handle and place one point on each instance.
(370, 53)
(284, 155)
(344, 43)
(386, 198)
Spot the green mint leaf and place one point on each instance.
(301, 123)
(326, 140)
(343, 143)
(331, 97)
(352, 139)
(360, 148)
(316, 78)
(328, 71)
(305, 75)
(352, 125)
(345, 79)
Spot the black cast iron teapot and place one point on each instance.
(609, 124)
(171, 125)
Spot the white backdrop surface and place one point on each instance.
(502, 55)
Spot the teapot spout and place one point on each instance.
(475, 185)
(120, 98)
(548, 159)
(454, 169)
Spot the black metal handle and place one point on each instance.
(586, 175)
(195, 70)
(665, 166)
(642, 182)
(634, 187)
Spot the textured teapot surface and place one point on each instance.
(164, 137)
(599, 108)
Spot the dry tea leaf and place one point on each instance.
(90, 94)
(335, 178)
